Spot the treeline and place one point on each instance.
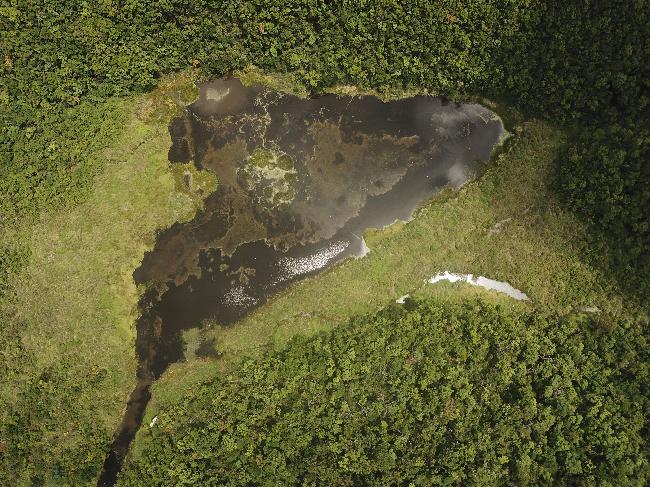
(562, 58)
(584, 62)
(581, 62)
(426, 394)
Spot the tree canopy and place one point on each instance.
(425, 394)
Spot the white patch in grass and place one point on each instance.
(484, 282)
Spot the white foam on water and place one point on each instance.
(365, 250)
(484, 282)
(215, 94)
(456, 175)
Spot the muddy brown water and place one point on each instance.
(299, 182)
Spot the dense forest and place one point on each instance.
(425, 394)
(568, 385)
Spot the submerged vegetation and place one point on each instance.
(270, 176)
(84, 185)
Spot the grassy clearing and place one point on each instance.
(507, 225)
(282, 82)
(70, 358)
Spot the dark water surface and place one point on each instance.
(299, 182)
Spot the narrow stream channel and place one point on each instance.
(299, 182)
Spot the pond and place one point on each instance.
(299, 180)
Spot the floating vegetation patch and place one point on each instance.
(270, 178)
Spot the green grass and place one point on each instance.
(506, 225)
(70, 357)
(282, 82)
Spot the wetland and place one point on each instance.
(299, 181)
